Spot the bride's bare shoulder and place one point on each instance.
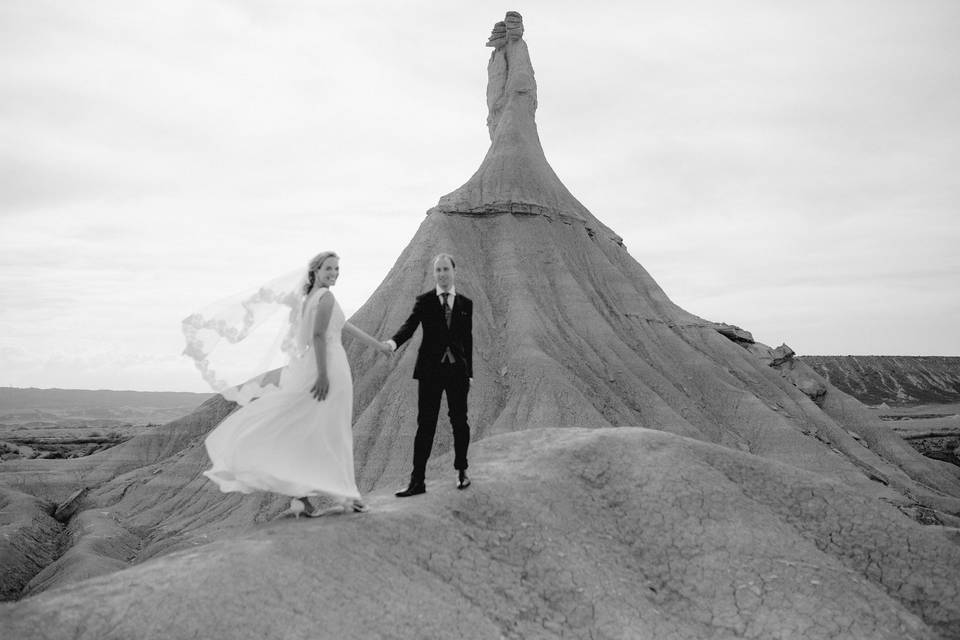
(324, 297)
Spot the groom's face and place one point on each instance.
(444, 273)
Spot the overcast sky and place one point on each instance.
(788, 167)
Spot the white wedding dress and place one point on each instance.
(286, 441)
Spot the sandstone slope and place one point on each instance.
(570, 332)
(604, 533)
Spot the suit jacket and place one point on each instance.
(437, 337)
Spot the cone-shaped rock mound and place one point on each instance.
(747, 497)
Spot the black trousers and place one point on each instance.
(450, 379)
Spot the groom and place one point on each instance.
(444, 364)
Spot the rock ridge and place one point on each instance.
(609, 532)
(894, 380)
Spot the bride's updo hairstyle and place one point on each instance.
(315, 264)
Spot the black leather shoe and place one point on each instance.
(462, 480)
(415, 489)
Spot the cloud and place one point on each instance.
(785, 168)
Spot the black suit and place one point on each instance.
(444, 364)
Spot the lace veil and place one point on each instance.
(239, 343)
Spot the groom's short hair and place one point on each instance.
(449, 257)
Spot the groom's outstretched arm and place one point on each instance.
(406, 331)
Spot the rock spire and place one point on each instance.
(515, 176)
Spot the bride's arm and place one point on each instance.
(364, 337)
(320, 324)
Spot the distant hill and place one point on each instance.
(894, 380)
(53, 406)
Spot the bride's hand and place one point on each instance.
(321, 387)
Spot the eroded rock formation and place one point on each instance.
(515, 177)
(894, 380)
(609, 533)
(754, 499)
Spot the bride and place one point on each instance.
(296, 439)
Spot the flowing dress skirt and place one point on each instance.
(287, 442)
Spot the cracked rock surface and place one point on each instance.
(722, 489)
(602, 533)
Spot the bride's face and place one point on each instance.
(329, 271)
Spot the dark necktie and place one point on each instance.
(447, 312)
